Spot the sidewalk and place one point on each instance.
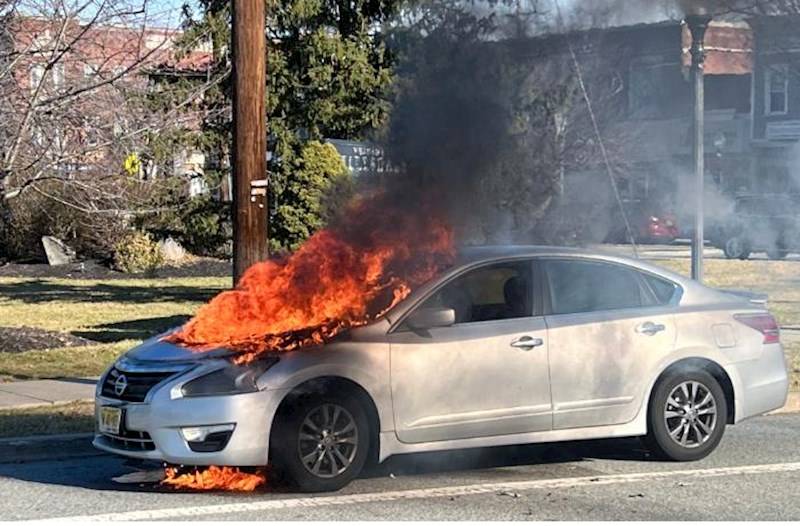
(18, 395)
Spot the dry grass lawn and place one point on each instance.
(793, 363)
(116, 313)
(778, 279)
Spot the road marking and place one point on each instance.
(455, 491)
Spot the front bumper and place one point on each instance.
(162, 418)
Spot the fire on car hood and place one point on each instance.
(156, 349)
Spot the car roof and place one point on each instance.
(478, 254)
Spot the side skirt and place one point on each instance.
(390, 445)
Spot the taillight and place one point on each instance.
(763, 323)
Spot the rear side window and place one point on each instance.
(588, 286)
(663, 290)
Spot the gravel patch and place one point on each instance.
(22, 339)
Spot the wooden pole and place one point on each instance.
(249, 136)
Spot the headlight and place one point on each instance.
(233, 379)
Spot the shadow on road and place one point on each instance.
(84, 468)
(510, 456)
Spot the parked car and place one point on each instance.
(650, 223)
(763, 223)
(512, 345)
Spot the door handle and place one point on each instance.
(526, 343)
(649, 328)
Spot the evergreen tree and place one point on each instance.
(328, 76)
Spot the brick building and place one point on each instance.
(72, 87)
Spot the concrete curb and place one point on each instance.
(48, 404)
(45, 448)
(32, 439)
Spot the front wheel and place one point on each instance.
(321, 443)
(687, 416)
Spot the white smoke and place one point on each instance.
(586, 14)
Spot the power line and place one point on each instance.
(597, 133)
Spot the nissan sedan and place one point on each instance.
(512, 345)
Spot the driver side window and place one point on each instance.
(496, 292)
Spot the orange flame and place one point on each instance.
(214, 478)
(342, 277)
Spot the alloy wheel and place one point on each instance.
(328, 440)
(690, 414)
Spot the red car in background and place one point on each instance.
(649, 222)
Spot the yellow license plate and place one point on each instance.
(110, 420)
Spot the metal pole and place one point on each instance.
(249, 136)
(698, 24)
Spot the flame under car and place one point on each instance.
(511, 345)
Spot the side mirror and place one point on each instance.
(431, 318)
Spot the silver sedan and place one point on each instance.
(512, 345)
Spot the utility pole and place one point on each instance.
(249, 159)
(698, 24)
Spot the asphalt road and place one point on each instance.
(753, 475)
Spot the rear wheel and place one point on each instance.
(687, 416)
(736, 248)
(777, 252)
(321, 443)
(777, 255)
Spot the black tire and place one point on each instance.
(286, 448)
(777, 255)
(736, 248)
(659, 424)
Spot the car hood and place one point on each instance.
(157, 350)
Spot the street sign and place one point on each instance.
(362, 159)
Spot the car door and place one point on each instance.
(609, 325)
(486, 374)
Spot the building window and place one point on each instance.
(777, 90)
(197, 185)
(58, 75)
(37, 74)
(655, 90)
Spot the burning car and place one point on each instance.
(510, 345)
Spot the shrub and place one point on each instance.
(25, 219)
(317, 190)
(202, 225)
(137, 252)
(207, 228)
